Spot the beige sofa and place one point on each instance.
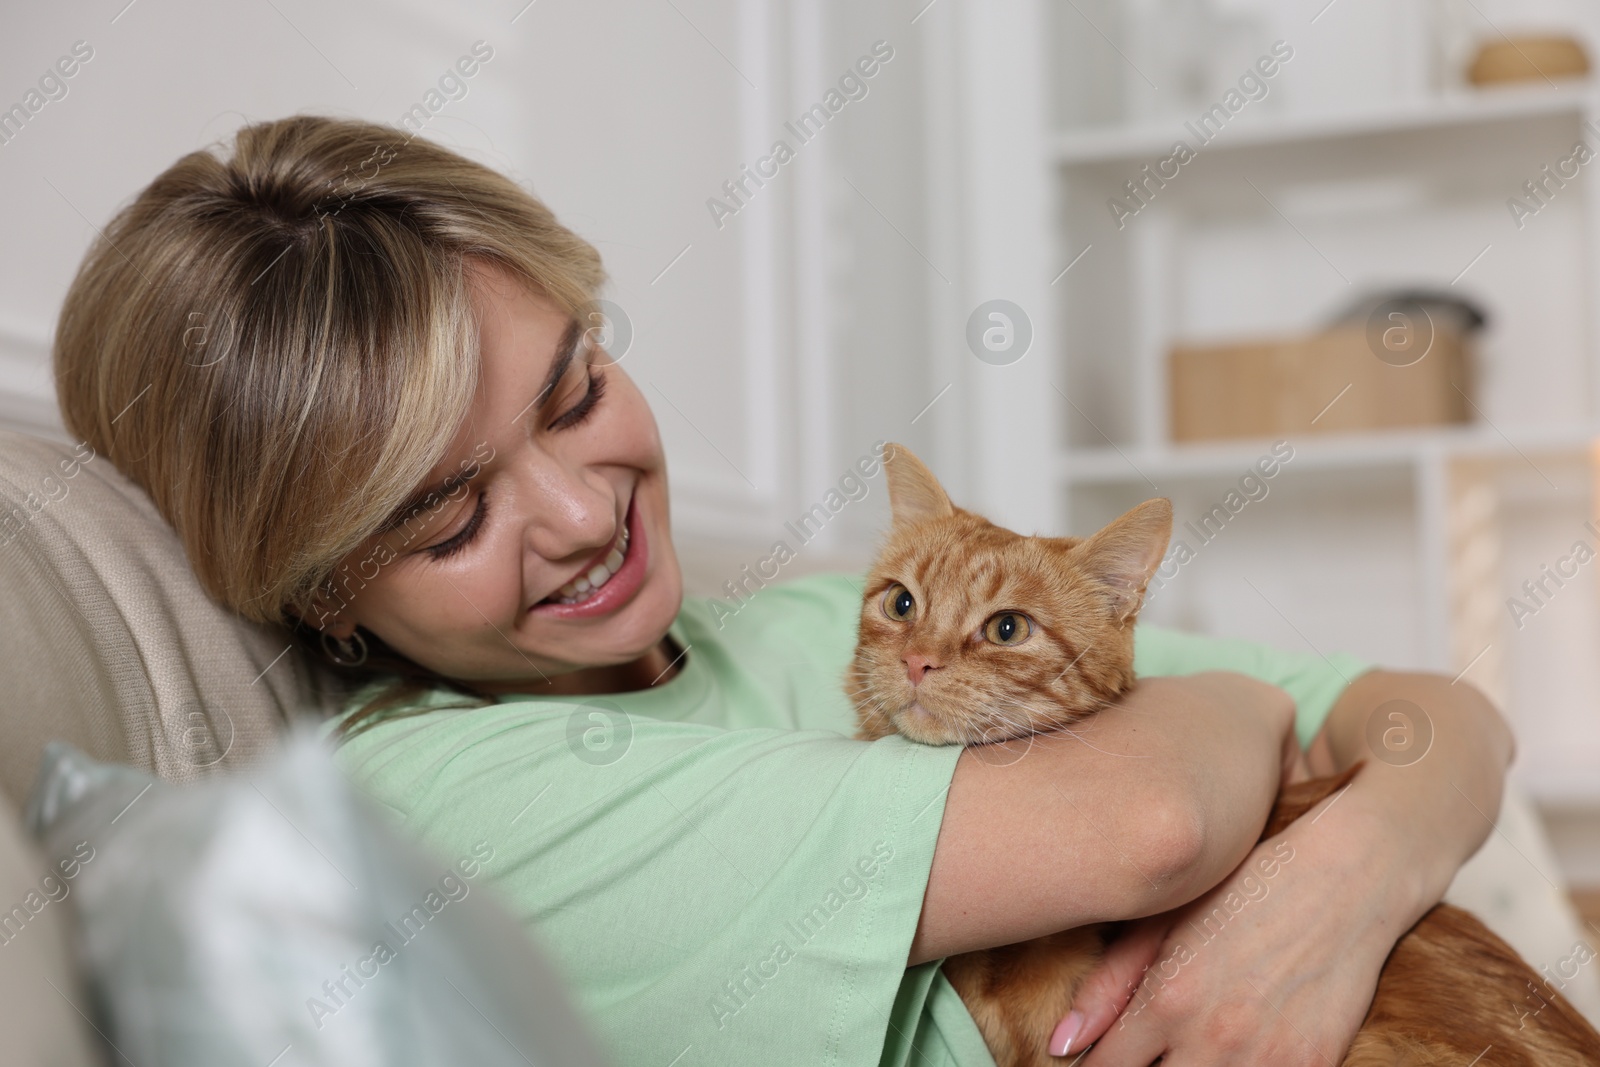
(110, 644)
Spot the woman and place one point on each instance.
(356, 375)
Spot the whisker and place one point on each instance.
(1079, 737)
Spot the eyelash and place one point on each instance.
(581, 410)
(446, 549)
(576, 415)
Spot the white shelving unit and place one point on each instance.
(1380, 449)
(1401, 546)
(1118, 143)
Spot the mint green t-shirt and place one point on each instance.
(720, 872)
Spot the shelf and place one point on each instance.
(1354, 451)
(1397, 544)
(1118, 144)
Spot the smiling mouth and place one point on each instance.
(596, 575)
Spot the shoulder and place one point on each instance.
(399, 753)
(817, 607)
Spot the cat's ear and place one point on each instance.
(915, 495)
(1124, 556)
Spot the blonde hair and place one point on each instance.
(277, 344)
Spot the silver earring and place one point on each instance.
(346, 651)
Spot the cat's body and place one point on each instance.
(1033, 634)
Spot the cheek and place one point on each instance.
(431, 610)
(879, 647)
(1022, 673)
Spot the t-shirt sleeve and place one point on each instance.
(1315, 682)
(750, 894)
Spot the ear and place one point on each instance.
(1124, 556)
(328, 616)
(915, 495)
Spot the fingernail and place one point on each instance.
(1066, 1031)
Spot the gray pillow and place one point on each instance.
(277, 920)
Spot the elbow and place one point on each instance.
(1505, 740)
(1174, 842)
(1485, 721)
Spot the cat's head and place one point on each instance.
(972, 633)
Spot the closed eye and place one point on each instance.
(581, 410)
(446, 549)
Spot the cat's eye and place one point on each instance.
(1008, 628)
(898, 602)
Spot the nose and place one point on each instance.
(918, 666)
(573, 513)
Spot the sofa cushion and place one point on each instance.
(109, 641)
(41, 997)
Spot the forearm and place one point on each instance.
(1427, 810)
(1229, 787)
(1135, 811)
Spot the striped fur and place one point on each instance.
(1449, 991)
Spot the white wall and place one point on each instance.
(770, 351)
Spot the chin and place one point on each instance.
(658, 603)
(925, 727)
(641, 625)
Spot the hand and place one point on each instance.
(1289, 977)
(1111, 985)
(1275, 966)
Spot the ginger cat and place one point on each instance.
(1057, 616)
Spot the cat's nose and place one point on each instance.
(917, 667)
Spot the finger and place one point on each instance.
(1109, 986)
(1134, 1040)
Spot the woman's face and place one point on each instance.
(549, 553)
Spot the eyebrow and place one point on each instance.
(566, 351)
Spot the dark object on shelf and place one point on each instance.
(1533, 58)
(1444, 309)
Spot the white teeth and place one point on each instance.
(587, 584)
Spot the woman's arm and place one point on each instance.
(1136, 811)
(1291, 979)
(1434, 808)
